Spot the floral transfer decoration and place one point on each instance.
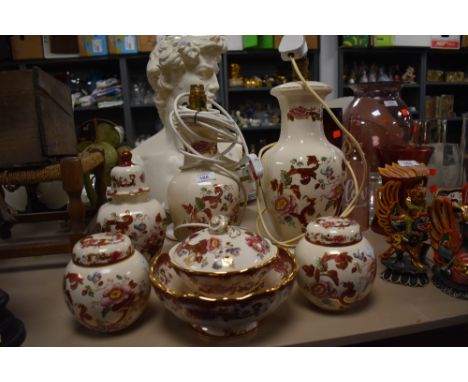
(111, 302)
(300, 112)
(89, 250)
(292, 202)
(219, 252)
(326, 279)
(205, 148)
(333, 231)
(213, 200)
(147, 235)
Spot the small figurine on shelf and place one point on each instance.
(401, 212)
(373, 73)
(235, 78)
(352, 78)
(383, 77)
(363, 78)
(449, 239)
(409, 75)
(396, 73)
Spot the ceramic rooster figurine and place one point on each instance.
(401, 212)
(449, 238)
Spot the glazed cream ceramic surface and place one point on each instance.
(198, 194)
(223, 260)
(223, 316)
(303, 172)
(131, 211)
(337, 266)
(106, 285)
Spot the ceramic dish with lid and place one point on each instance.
(225, 316)
(223, 260)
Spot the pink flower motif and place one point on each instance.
(114, 295)
(213, 244)
(285, 205)
(257, 243)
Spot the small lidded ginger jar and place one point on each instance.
(106, 284)
(337, 265)
(131, 210)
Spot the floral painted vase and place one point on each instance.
(201, 191)
(131, 211)
(303, 173)
(337, 266)
(106, 284)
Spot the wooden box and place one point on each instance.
(146, 43)
(312, 41)
(26, 47)
(36, 119)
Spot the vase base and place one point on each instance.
(214, 331)
(442, 281)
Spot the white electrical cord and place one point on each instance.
(219, 122)
(357, 187)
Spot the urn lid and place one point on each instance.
(222, 249)
(333, 231)
(102, 249)
(127, 178)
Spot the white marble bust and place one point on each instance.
(176, 63)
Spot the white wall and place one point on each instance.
(329, 63)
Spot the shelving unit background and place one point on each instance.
(99, 68)
(143, 119)
(422, 59)
(258, 63)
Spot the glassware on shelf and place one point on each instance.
(448, 159)
(378, 118)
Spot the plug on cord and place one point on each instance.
(293, 46)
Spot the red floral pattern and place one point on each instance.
(262, 247)
(205, 148)
(214, 200)
(327, 286)
(290, 191)
(300, 112)
(112, 303)
(146, 233)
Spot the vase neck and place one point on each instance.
(301, 120)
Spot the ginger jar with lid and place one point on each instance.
(337, 265)
(106, 284)
(131, 211)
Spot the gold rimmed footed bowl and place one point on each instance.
(224, 316)
(223, 260)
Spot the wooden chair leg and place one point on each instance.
(72, 178)
(100, 185)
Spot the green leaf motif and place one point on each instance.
(119, 277)
(199, 204)
(285, 178)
